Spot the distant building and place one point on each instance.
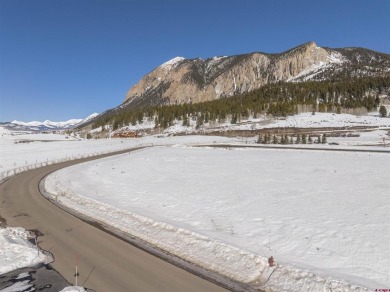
(126, 135)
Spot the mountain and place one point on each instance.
(46, 125)
(183, 80)
(87, 119)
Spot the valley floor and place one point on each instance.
(323, 212)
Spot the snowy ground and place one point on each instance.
(229, 210)
(326, 120)
(36, 278)
(376, 137)
(16, 157)
(73, 289)
(25, 137)
(20, 286)
(16, 251)
(303, 120)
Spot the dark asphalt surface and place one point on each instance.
(106, 262)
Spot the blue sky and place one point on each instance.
(66, 59)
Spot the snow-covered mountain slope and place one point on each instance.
(46, 125)
(183, 80)
(90, 117)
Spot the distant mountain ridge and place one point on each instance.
(47, 125)
(183, 80)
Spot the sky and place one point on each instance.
(67, 59)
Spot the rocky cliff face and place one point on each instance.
(182, 81)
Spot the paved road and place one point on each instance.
(106, 263)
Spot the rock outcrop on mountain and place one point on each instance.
(190, 81)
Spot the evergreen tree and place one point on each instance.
(164, 123)
(133, 120)
(115, 126)
(318, 139)
(291, 140)
(310, 140)
(275, 139)
(212, 117)
(323, 140)
(234, 119)
(286, 139)
(298, 141)
(140, 117)
(156, 122)
(202, 118)
(260, 139)
(304, 139)
(185, 121)
(377, 101)
(199, 121)
(383, 111)
(322, 108)
(267, 138)
(314, 107)
(206, 117)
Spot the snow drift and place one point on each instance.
(17, 252)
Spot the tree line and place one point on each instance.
(285, 139)
(278, 99)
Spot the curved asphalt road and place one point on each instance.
(106, 263)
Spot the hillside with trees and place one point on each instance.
(279, 100)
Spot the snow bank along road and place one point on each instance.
(106, 263)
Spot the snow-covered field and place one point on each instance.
(217, 232)
(16, 157)
(229, 210)
(325, 120)
(26, 137)
(42, 150)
